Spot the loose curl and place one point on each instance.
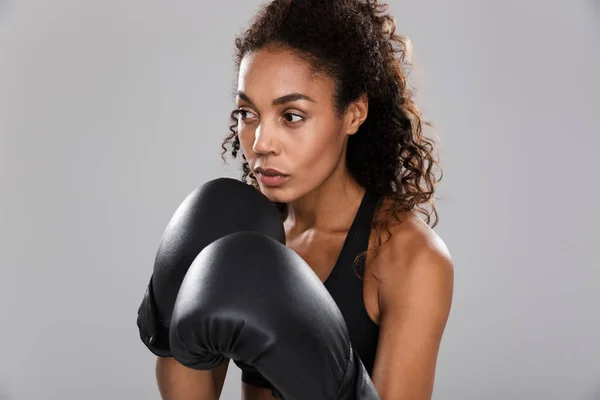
(355, 43)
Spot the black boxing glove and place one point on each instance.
(249, 298)
(214, 210)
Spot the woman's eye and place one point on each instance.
(244, 114)
(293, 118)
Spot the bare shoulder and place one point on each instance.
(413, 247)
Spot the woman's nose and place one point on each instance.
(264, 140)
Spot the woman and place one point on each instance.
(330, 133)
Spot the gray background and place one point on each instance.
(112, 111)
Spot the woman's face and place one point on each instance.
(287, 123)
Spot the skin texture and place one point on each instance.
(408, 285)
(176, 382)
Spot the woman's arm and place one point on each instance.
(415, 299)
(176, 382)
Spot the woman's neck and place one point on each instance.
(330, 207)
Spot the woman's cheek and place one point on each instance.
(246, 141)
(318, 159)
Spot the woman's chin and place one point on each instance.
(274, 194)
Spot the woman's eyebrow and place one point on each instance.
(288, 98)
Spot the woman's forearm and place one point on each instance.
(176, 382)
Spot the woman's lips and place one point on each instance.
(271, 177)
(272, 180)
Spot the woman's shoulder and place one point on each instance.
(408, 242)
(412, 270)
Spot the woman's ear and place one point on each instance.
(356, 114)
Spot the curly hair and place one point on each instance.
(355, 43)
